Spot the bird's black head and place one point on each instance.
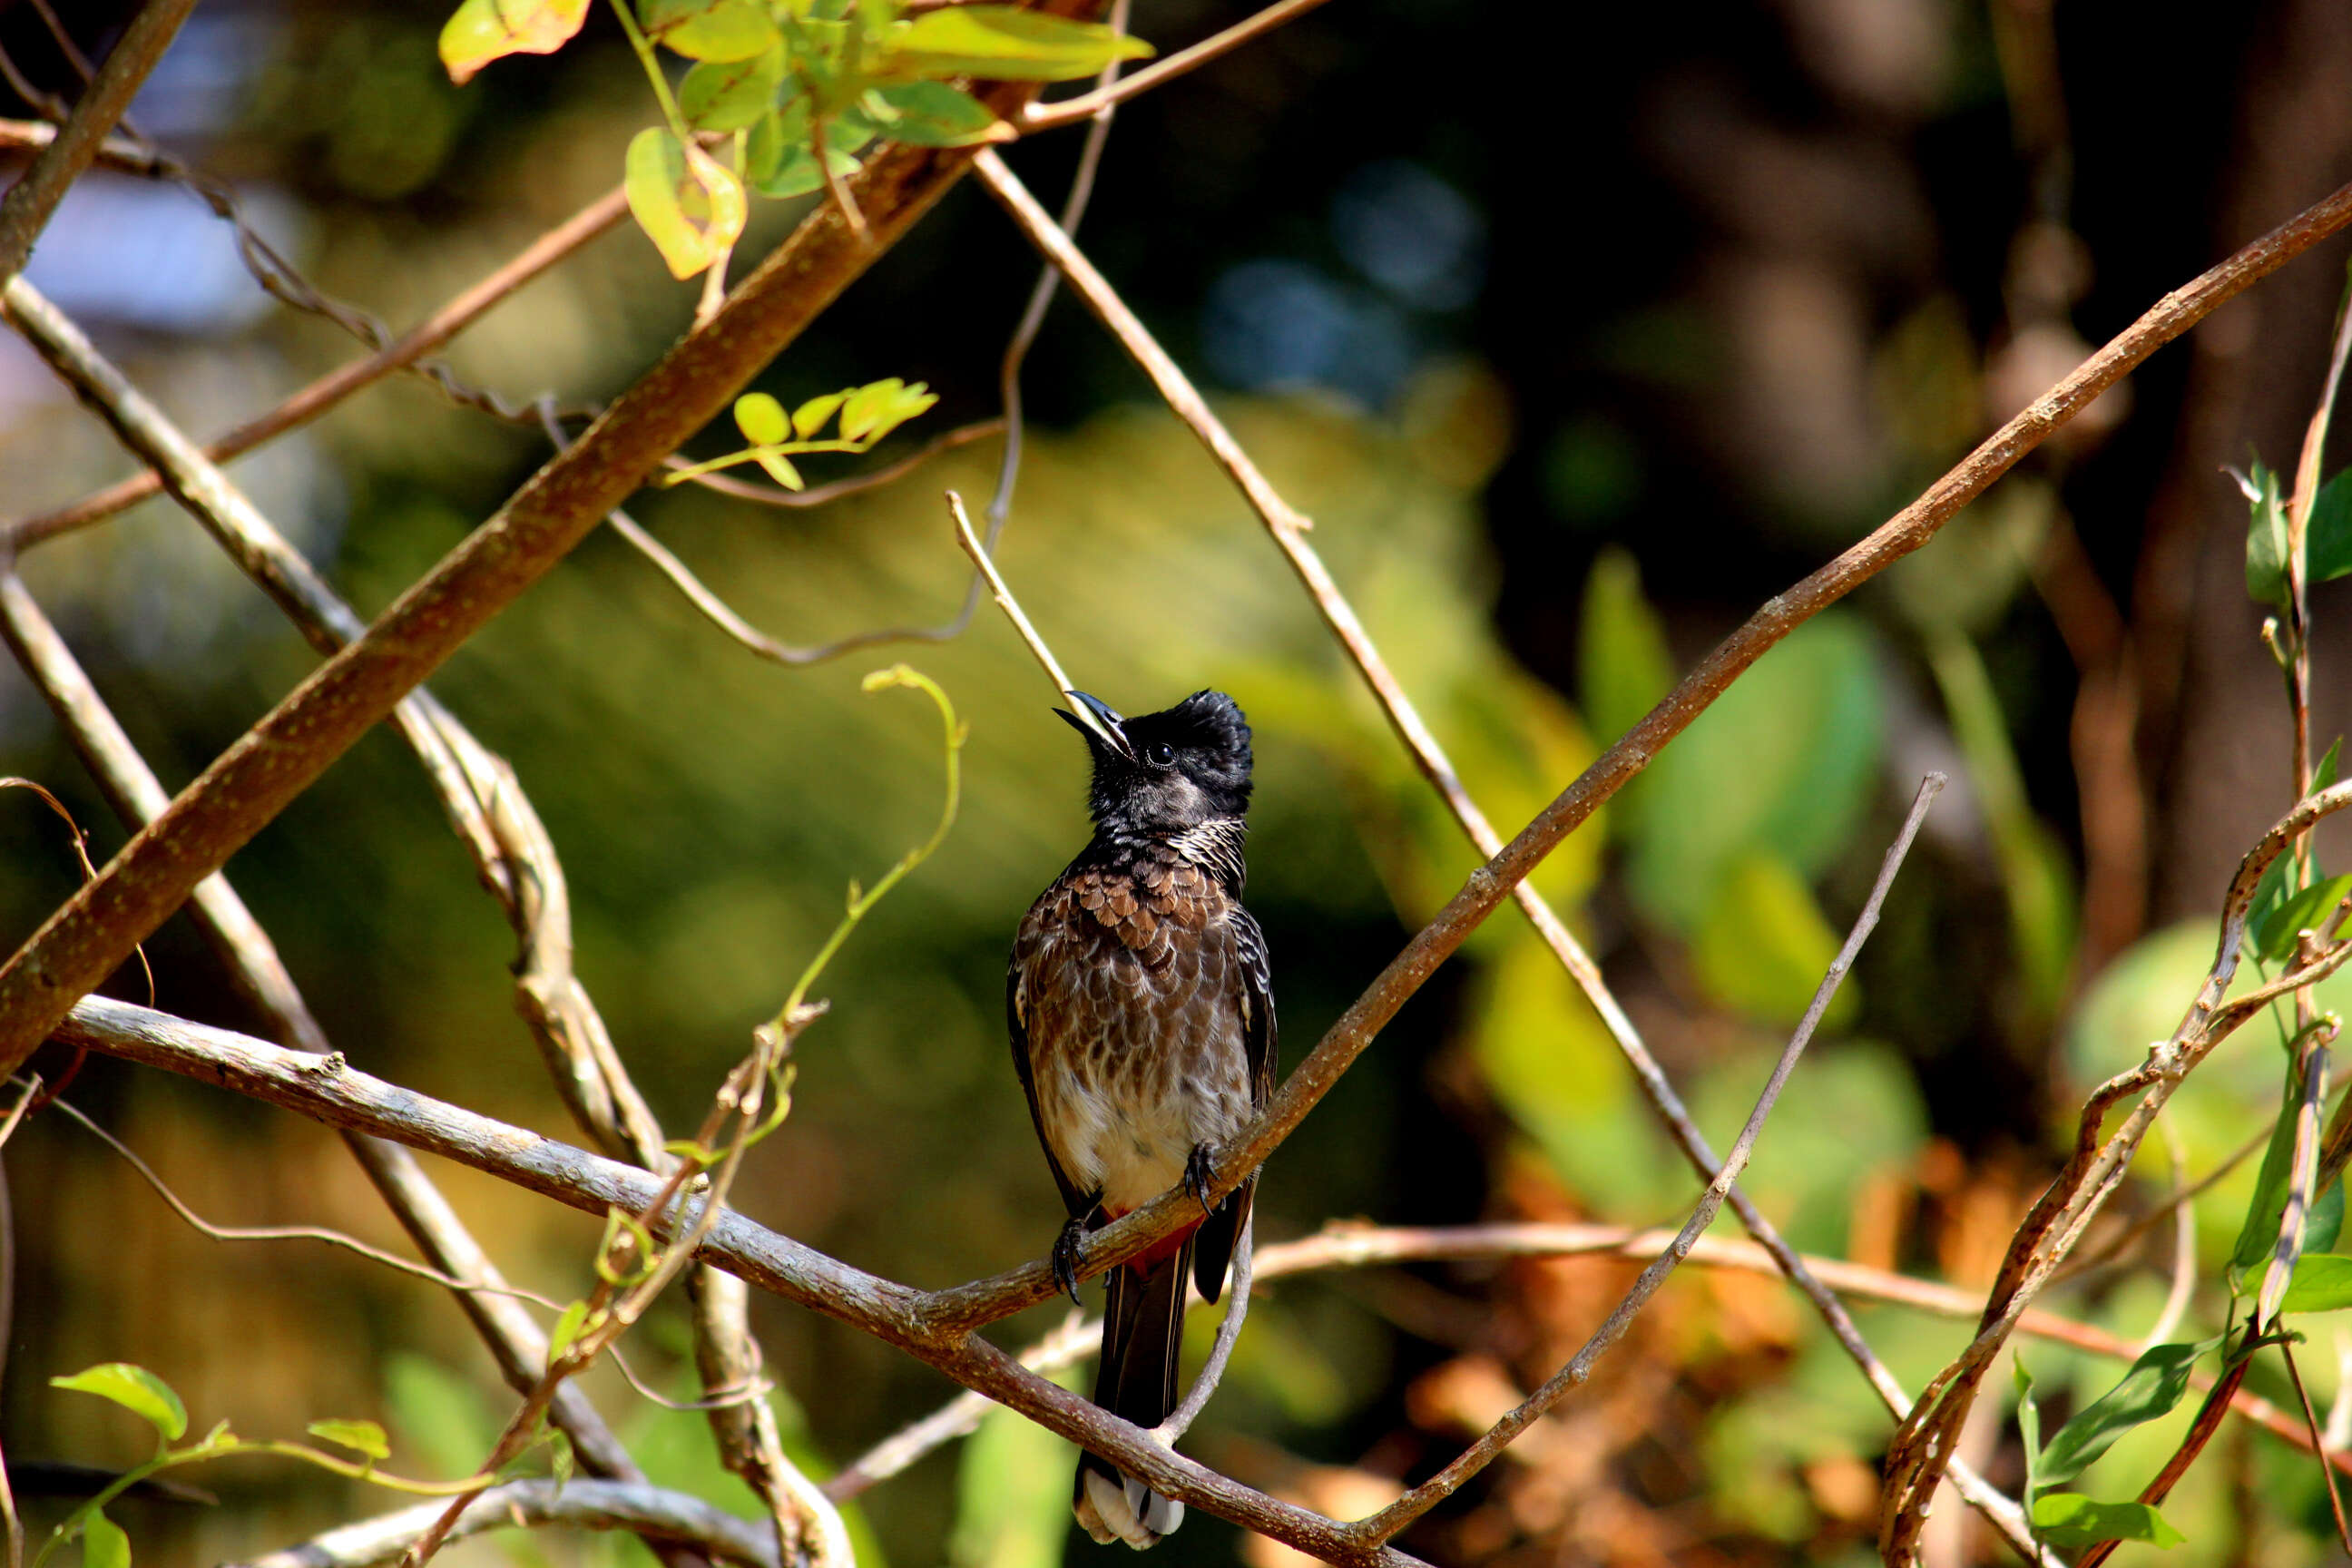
(1162, 774)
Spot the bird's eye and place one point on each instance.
(1160, 755)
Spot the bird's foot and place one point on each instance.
(1198, 1171)
(1066, 1260)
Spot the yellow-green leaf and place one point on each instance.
(1763, 945)
(780, 468)
(485, 30)
(710, 29)
(762, 419)
(1004, 43)
(567, 1328)
(361, 1436)
(732, 95)
(690, 205)
(809, 416)
(103, 1544)
(136, 1389)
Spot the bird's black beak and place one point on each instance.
(1097, 721)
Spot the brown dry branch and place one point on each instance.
(459, 313)
(31, 201)
(2052, 1227)
(262, 771)
(123, 153)
(672, 1518)
(1904, 532)
(512, 1334)
(1087, 105)
(1489, 1447)
(330, 1090)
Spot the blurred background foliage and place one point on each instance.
(1575, 354)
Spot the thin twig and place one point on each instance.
(445, 323)
(34, 198)
(1386, 1523)
(654, 1512)
(1070, 111)
(1221, 1351)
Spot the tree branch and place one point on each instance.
(653, 1513)
(1070, 111)
(34, 198)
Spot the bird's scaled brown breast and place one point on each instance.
(1129, 984)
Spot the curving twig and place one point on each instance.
(1086, 105)
(656, 1513)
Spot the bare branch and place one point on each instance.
(1385, 1524)
(659, 1514)
(461, 312)
(30, 202)
(333, 1092)
(1070, 111)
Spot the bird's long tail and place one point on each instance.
(1143, 1329)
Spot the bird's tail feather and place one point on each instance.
(1143, 1330)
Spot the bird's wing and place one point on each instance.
(1017, 1018)
(1214, 1249)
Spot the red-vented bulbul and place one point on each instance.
(1142, 1017)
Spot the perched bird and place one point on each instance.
(1142, 1017)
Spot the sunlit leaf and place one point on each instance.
(809, 416)
(710, 29)
(1004, 43)
(484, 30)
(2266, 578)
(136, 1389)
(2070, 1518)
(732, 95)
(2322, 1283)
(689, 205)
(103, 1544)
(567, 1328)
(933, 114)
(1762, 944)
(2149, 1390)
(794, 172)
(363, 1437)
(1622, 664)
(2330, 759)
(780, 468)
(875, 410)
(1013, 1495)
(2029, 1425)
(2327, 533)
(762, 419)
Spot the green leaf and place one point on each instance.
(2328, 533)
(2070, 1518)
(2029, 1423)
(560, 1459)
(689, 205)
(2266, 580)
(2322, 1283)
(932, 114)
(361, 1436)
(137, 1390)
(2326, 1221)
(103, 1544)
(2272, 890)
(1004, 43)
(2274, 935)
(875, 410)
(2329, 761)
(1012, 1494)
(1762, 945)
(1622, 664)
(567, 1328)
(484, 30)
(2149, 1390)
(710, 29)
(2258, 1234)
(780, 468)
(794, 172)
(732, 95)
(809, 416)
(762, 419)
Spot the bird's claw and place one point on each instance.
(1198, 1172)
(1065, 1261)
